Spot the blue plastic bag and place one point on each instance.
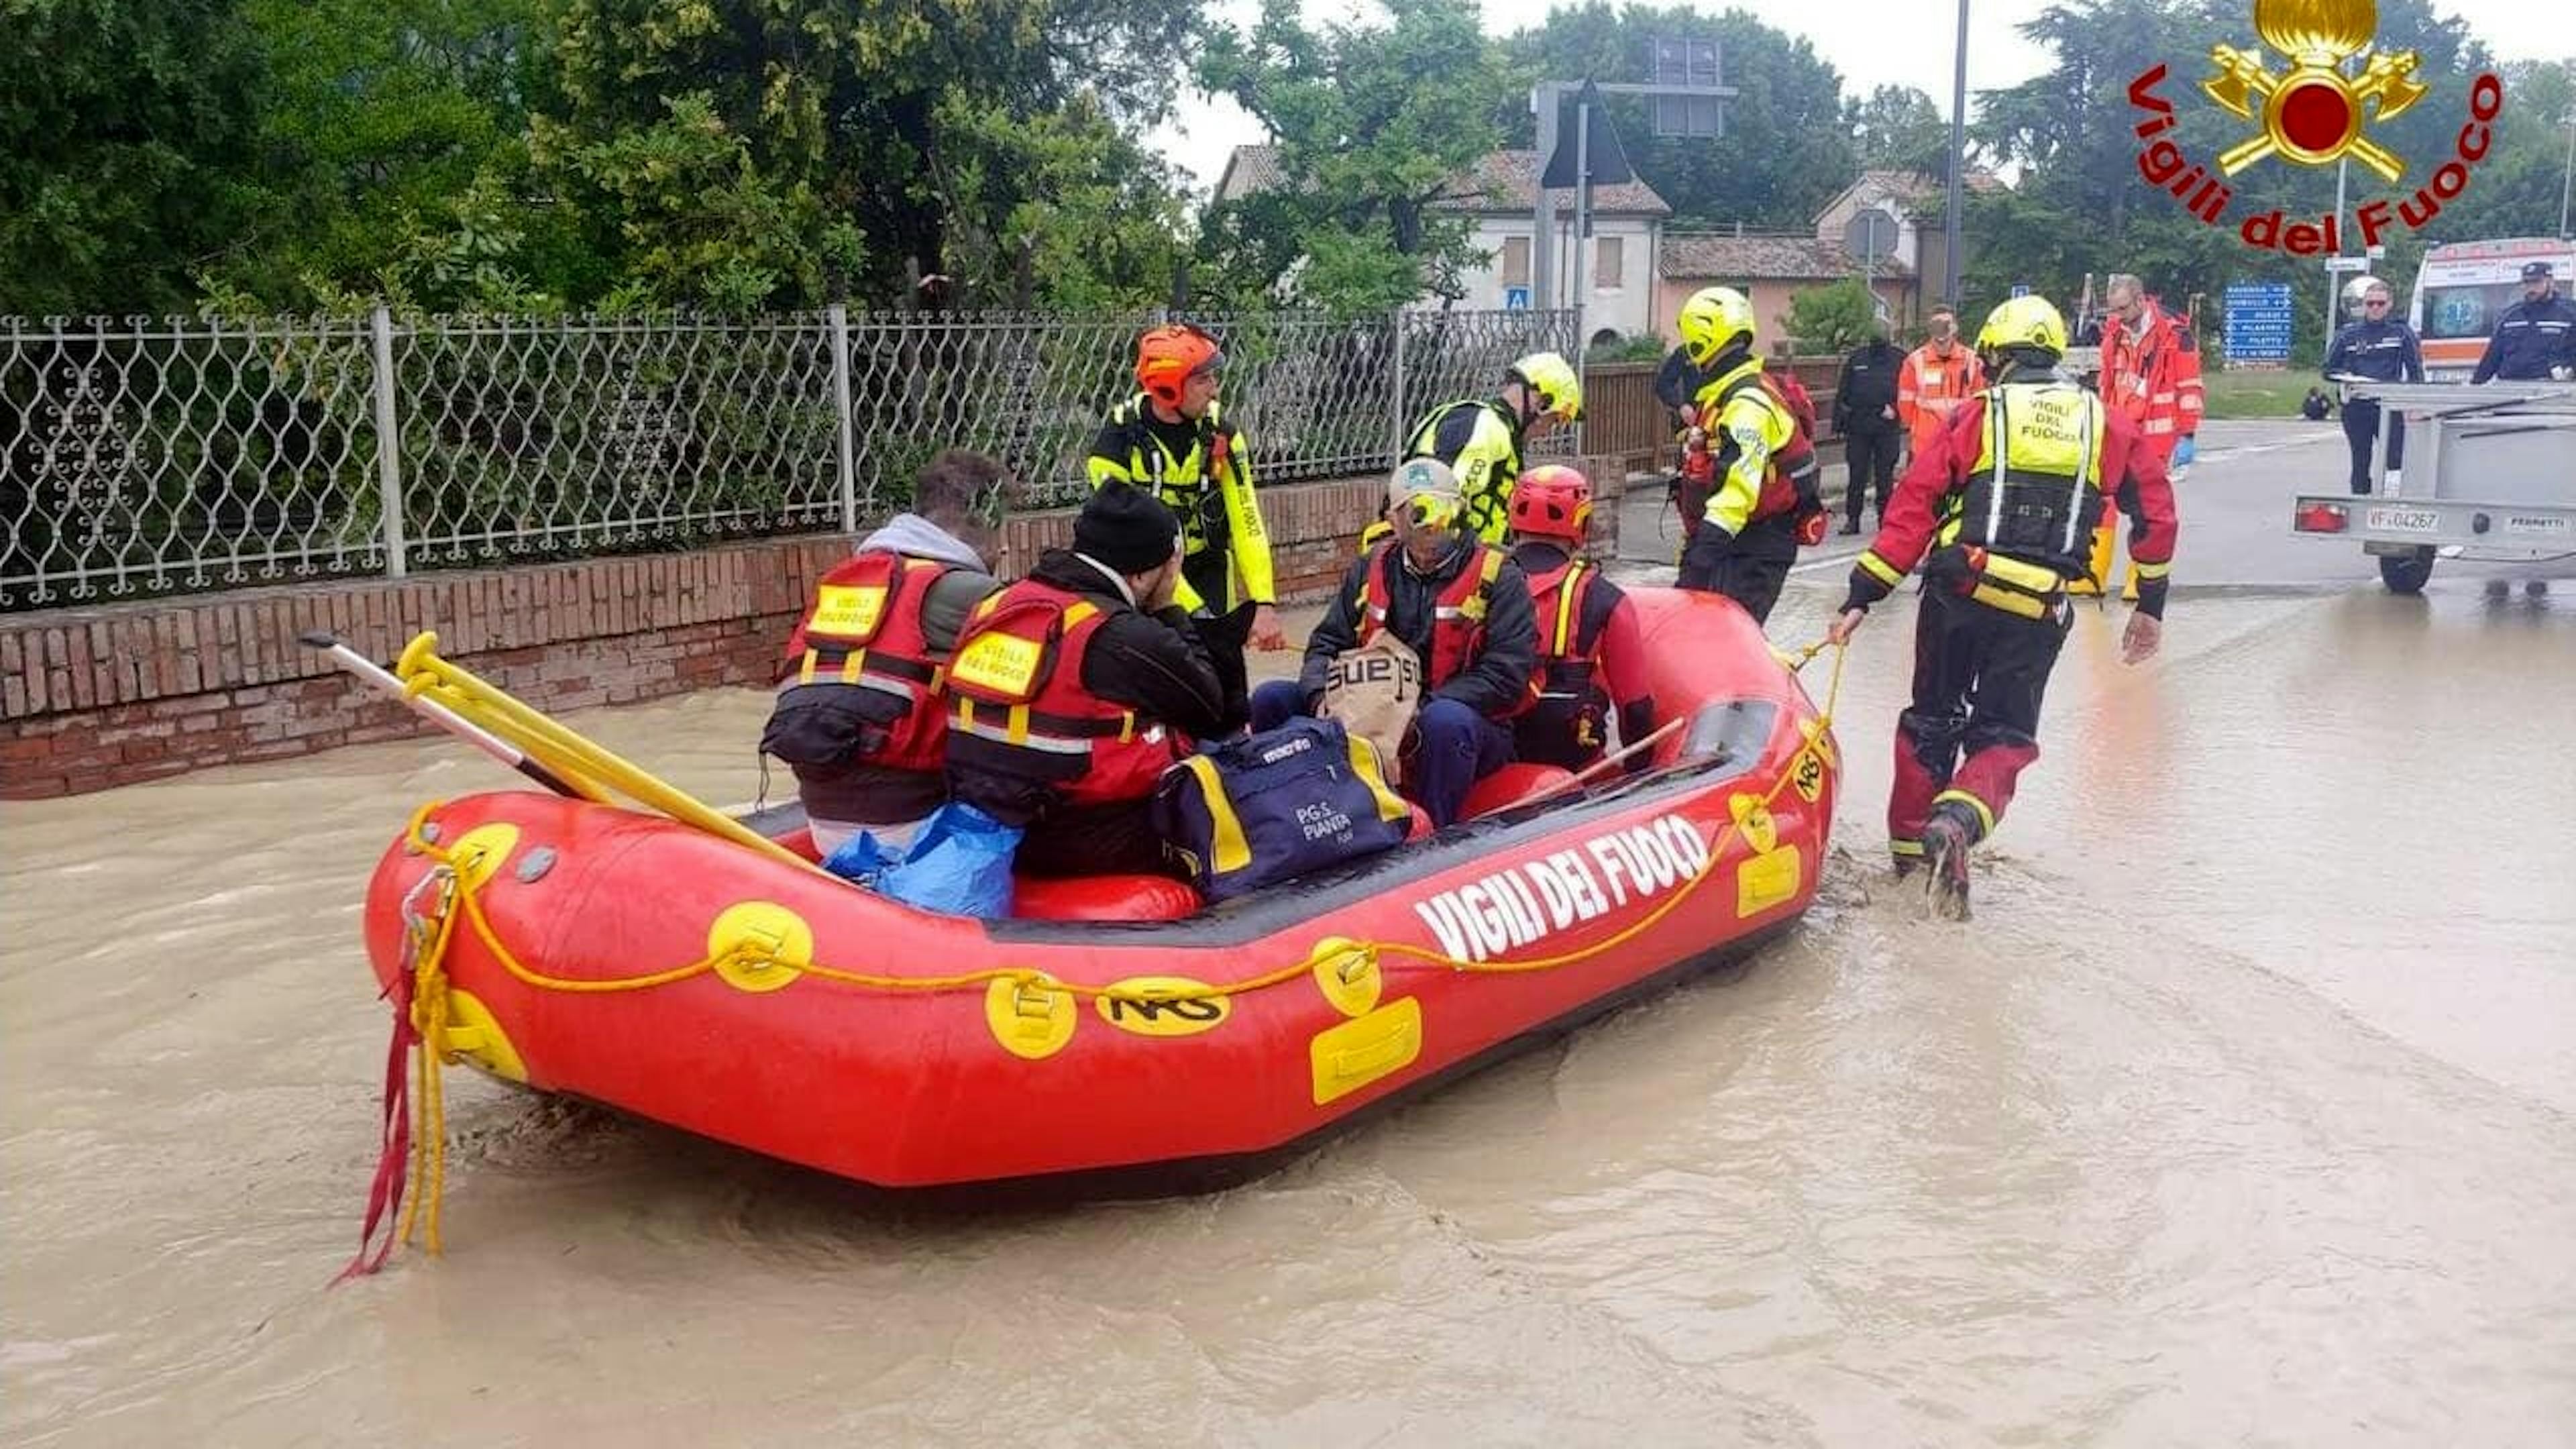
(959, 864)
(861, 859)
(2183, 453)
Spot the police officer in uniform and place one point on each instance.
(2535, 339)
(1865, 415)
(2000, 511)
(2382, 349)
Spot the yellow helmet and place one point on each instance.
(1553, 380)
(2023, 322)
(1711, 322)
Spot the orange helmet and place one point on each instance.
(1552, 501)
(1167, 357)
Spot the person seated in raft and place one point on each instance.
(1589, 649)
(1463, 608)
(1075, 687)
(858, 715)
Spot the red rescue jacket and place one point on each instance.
(1021, 709)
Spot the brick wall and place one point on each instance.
(101, 697)
(92, 698)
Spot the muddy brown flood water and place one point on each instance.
(2244, 1113)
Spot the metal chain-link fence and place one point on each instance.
(142, 457)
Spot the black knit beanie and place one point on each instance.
(1126, 528)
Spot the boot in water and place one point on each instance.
(1945, 864)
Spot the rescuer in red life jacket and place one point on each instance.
(1074, 688)
(1588, 645)
(858, 715)
(1462, 607)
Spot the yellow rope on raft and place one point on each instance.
(432, 934)
(752, 954)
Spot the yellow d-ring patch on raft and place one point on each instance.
(1163, 1006)
(472, 1032)
(1030, 1018)
(1765, 880)
(481, 851)
(1348, 975)
(1753, 820)
(758, 946)
(1348, 1057)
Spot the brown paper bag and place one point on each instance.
(1375, 691)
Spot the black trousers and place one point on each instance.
(1117, 839)
(1979, 676)
(2361, 429)
(1869, 458)
(1224, 634)
(1750, 568)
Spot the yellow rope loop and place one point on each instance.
(753, 952)
(430, 934)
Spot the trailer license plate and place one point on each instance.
(2405, 520)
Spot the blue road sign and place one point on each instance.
(1516, 299)
(2258, 322)
(2021, 289)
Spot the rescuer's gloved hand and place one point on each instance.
(1811, 523)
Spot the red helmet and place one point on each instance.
(1166, 358)
(1552, 501)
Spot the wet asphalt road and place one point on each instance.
(2235, 503)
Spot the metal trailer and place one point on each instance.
(2489, 474)
(2083, 365)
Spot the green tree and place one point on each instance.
(836, 112)
(1786, 150)
(698, 218)
(382, 121)
(128, 132)
(1056, 209)
(1373, 126)
(2516, 190)
(1831, 319)
(1898, 128)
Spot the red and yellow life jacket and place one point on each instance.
(1458, 613)
(1572, 711)
(1020, 709)
(863, 633)
(1793, 464)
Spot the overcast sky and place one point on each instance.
(1871, 42)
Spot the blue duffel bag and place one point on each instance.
(1264, 808)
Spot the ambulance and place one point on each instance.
(2464, 287)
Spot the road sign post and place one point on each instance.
(1870, 235)
(1690, 96)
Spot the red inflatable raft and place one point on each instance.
(641, 963)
